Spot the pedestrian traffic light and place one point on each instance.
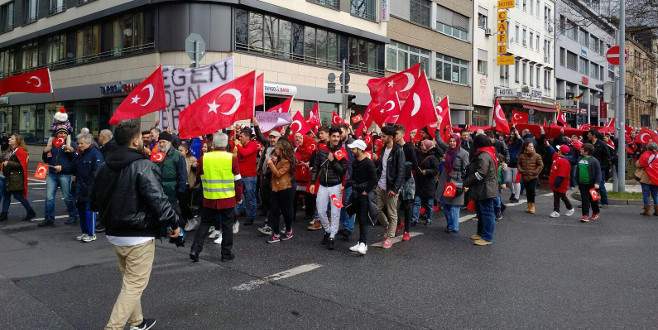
(350, 101)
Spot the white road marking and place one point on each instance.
(36, 181)
(56, 217)
(34, 201)
(397, 239)
(251, 285)
(521, 201)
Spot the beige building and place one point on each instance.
(437, 34)
(98, 50)
(640, 84)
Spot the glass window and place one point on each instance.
(516, 34)
(321, 46)
(538, 75)
(483, 57)
(128, 32)
(363, 8)
(56, 6)
(298, 41)
(332, 49)
(88, 41)
(583, 38)
(517, 68)
(255, 31)
(56, 48)
(7, 16)
(452, 23)
(504, 75)
(327, 3)
(241, 28)
(406, 57)
(420, 12)
(524, 72)
(483, 22)
(524, 38)
(583, 66)
(451, 69)
(532, 39)
(270, 34)
(594, 69)
(562, 56)
(572, 30)
(572, 61)
(285, 37)
(30, 53)
(31, 10)
(309, 43)
(532, 75)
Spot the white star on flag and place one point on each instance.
(391, 83)
(135, 99)
(212, 107)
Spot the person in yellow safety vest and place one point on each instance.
(222, 190)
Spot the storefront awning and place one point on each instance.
(538, 108)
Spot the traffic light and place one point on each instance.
(350, 101)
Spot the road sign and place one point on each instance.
(506, 4)
(331, 77)
(331, 88)
(195, 47)
(613, 55)
(505, 60)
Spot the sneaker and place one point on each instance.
(236, 227)
(80, 237)
(275, 238)
(288, 236)
(499, 217)
(215, 234)
(88, 239)
(265, 230)
(555, 214)
(47, 223)
(29, 216)
(387, 244)
(475, 237)
(219, 239)
(283, 230)
(481, 242)
(355, 248)
(145, 325)
(325, 239)
(570, 212)
(211, 229)
(584, 218)
(406, 236)
(315, 225)
(330, 243)
(513, 200)
(594, 217)
(363, 248)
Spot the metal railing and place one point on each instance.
(54, 10)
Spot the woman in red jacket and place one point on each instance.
(559, 182)
(14, 168)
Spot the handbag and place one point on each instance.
(14, 181)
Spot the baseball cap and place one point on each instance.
(275, 133)
(165, 136)
(358, 144)
(564, 149)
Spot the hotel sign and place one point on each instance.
(503, 57)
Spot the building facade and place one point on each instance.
(438, 35)
(640, 83)
(97, 50)
(528, 85)
(583, 38)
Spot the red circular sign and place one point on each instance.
(613, 55)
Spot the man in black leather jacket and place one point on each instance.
(390, 174)
(134, 209)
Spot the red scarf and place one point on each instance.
(492, 152)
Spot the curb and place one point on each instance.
(576, 196)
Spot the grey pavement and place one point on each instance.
(540, 273)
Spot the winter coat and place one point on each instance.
(530, 166)
(85, 166)
(174, 173)
(395, 167)
(456, 176)
(481, 176)
(330, 173)
(426, 182)
(17, 162)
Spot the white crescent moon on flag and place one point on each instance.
(416, 108)
(391, 107)
(237, 96)
(642, 137)
(517, 116)
(410, 82)
(652, 158)
(38, 80)
(499, 114)
(298, 123)
(151, 93)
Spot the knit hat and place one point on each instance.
(61, 115)
(166, 136)
(428, 144)
(564, 149)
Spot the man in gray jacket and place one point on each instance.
(481, 179)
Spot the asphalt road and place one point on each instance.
(540, 273)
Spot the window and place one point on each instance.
(572, 31)
(593, 43)
(537, 7)
(524, 73)
(56, 48)
(524, 38)
(309, 44)
(420, 12)
(538, 75)
(451, 23)
(128, 32)
(7, 17)
(583, 37)
(525, 8)
(30, 57)
(563, 24)
(31, 11)
(547, 51)
(532, 39)
(327, 3)
(56, 6)
(532, 74)
(537, 42)
(548, 19)
(483, 18)
(504, 75)
(483, 60)
(572, 61)
(601, 49)
(451, 69)
(399, 57)
(516, 34)
(562, 55)
(517, 68)
(532, 7)
(363, 55)
(256, 31)
(88, 41)
(363, 8)
(547, 79)
(583, 66)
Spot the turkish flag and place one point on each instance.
(336, 119)
(281, 108)
(519, 117)
(314, 115)
(299, 125)
(219, 108)
(147, 97)
(444, 121)
(357, 119)
(157, 157)
(382, 89)
(386, 112)
(649, 162)
(41, 171)
(37, 81)
(609, 127)
(645, 136)
(359, 130)
(260, 89)
(418, 111)
(499, 119)
(562, 118)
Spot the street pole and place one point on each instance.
(621, 102)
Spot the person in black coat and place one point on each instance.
(602, 154)
(364, 180)
(427, 175)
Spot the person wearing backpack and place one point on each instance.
(588, 176)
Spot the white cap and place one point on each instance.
(359, 144)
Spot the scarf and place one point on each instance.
(492, 152)
(451, 154)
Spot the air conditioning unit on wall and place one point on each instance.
(487, 32)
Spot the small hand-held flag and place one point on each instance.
(147, 97)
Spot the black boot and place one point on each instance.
(330, 244)
(3, 216)
(194, 256)
(325, 239)
(30, 215)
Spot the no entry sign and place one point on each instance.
(613, 55)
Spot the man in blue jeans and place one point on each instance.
(482, 181)
(60, 169)
(247, 150)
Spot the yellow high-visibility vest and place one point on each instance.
(218, 180)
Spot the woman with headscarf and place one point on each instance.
(456, 161)
(428, 168)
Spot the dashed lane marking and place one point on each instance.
(251, 285)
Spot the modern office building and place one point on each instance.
(583, 38)
(97, 50)
(438, 35)
(528, 84)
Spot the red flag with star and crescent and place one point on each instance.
(444, 120)
(37, 81)
(382, 89)
(219, 108)
(519, 117)
(418, 111)
(561, 117)
(645, 136)
(649, 161)
(282, 107)
(314, 116)
(299, 125)
(147, 97)
(260, 89)
(336, 120)
(385, 112)
(499, 119)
